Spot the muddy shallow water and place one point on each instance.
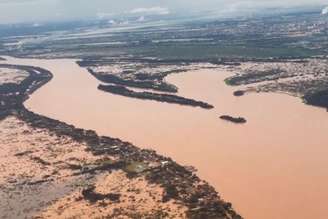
(273, 167)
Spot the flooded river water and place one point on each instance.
(273, 167)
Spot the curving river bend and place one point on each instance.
(273, 167)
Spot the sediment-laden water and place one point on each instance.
(272, 167)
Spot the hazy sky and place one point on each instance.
(42, 10)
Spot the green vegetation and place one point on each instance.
(135, 167)
(319, 98)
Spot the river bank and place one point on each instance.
(53, 156)
(249, 164)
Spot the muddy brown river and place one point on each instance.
(273, 167)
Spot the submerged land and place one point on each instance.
(51, 169)
(279, 52)
(304, 78)
(87, 175)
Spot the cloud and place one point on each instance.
(141, 12)
(18, 2)
(104, 15)
(15, 11)
(152, 10)
(141, 19)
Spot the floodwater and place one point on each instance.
(273, 167)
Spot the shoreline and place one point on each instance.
(179, 80)
(179, 183)
(145, 95)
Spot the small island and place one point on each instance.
(145, 95)
(237, 120)
(239, 93)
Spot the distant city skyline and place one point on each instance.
(14, 11)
